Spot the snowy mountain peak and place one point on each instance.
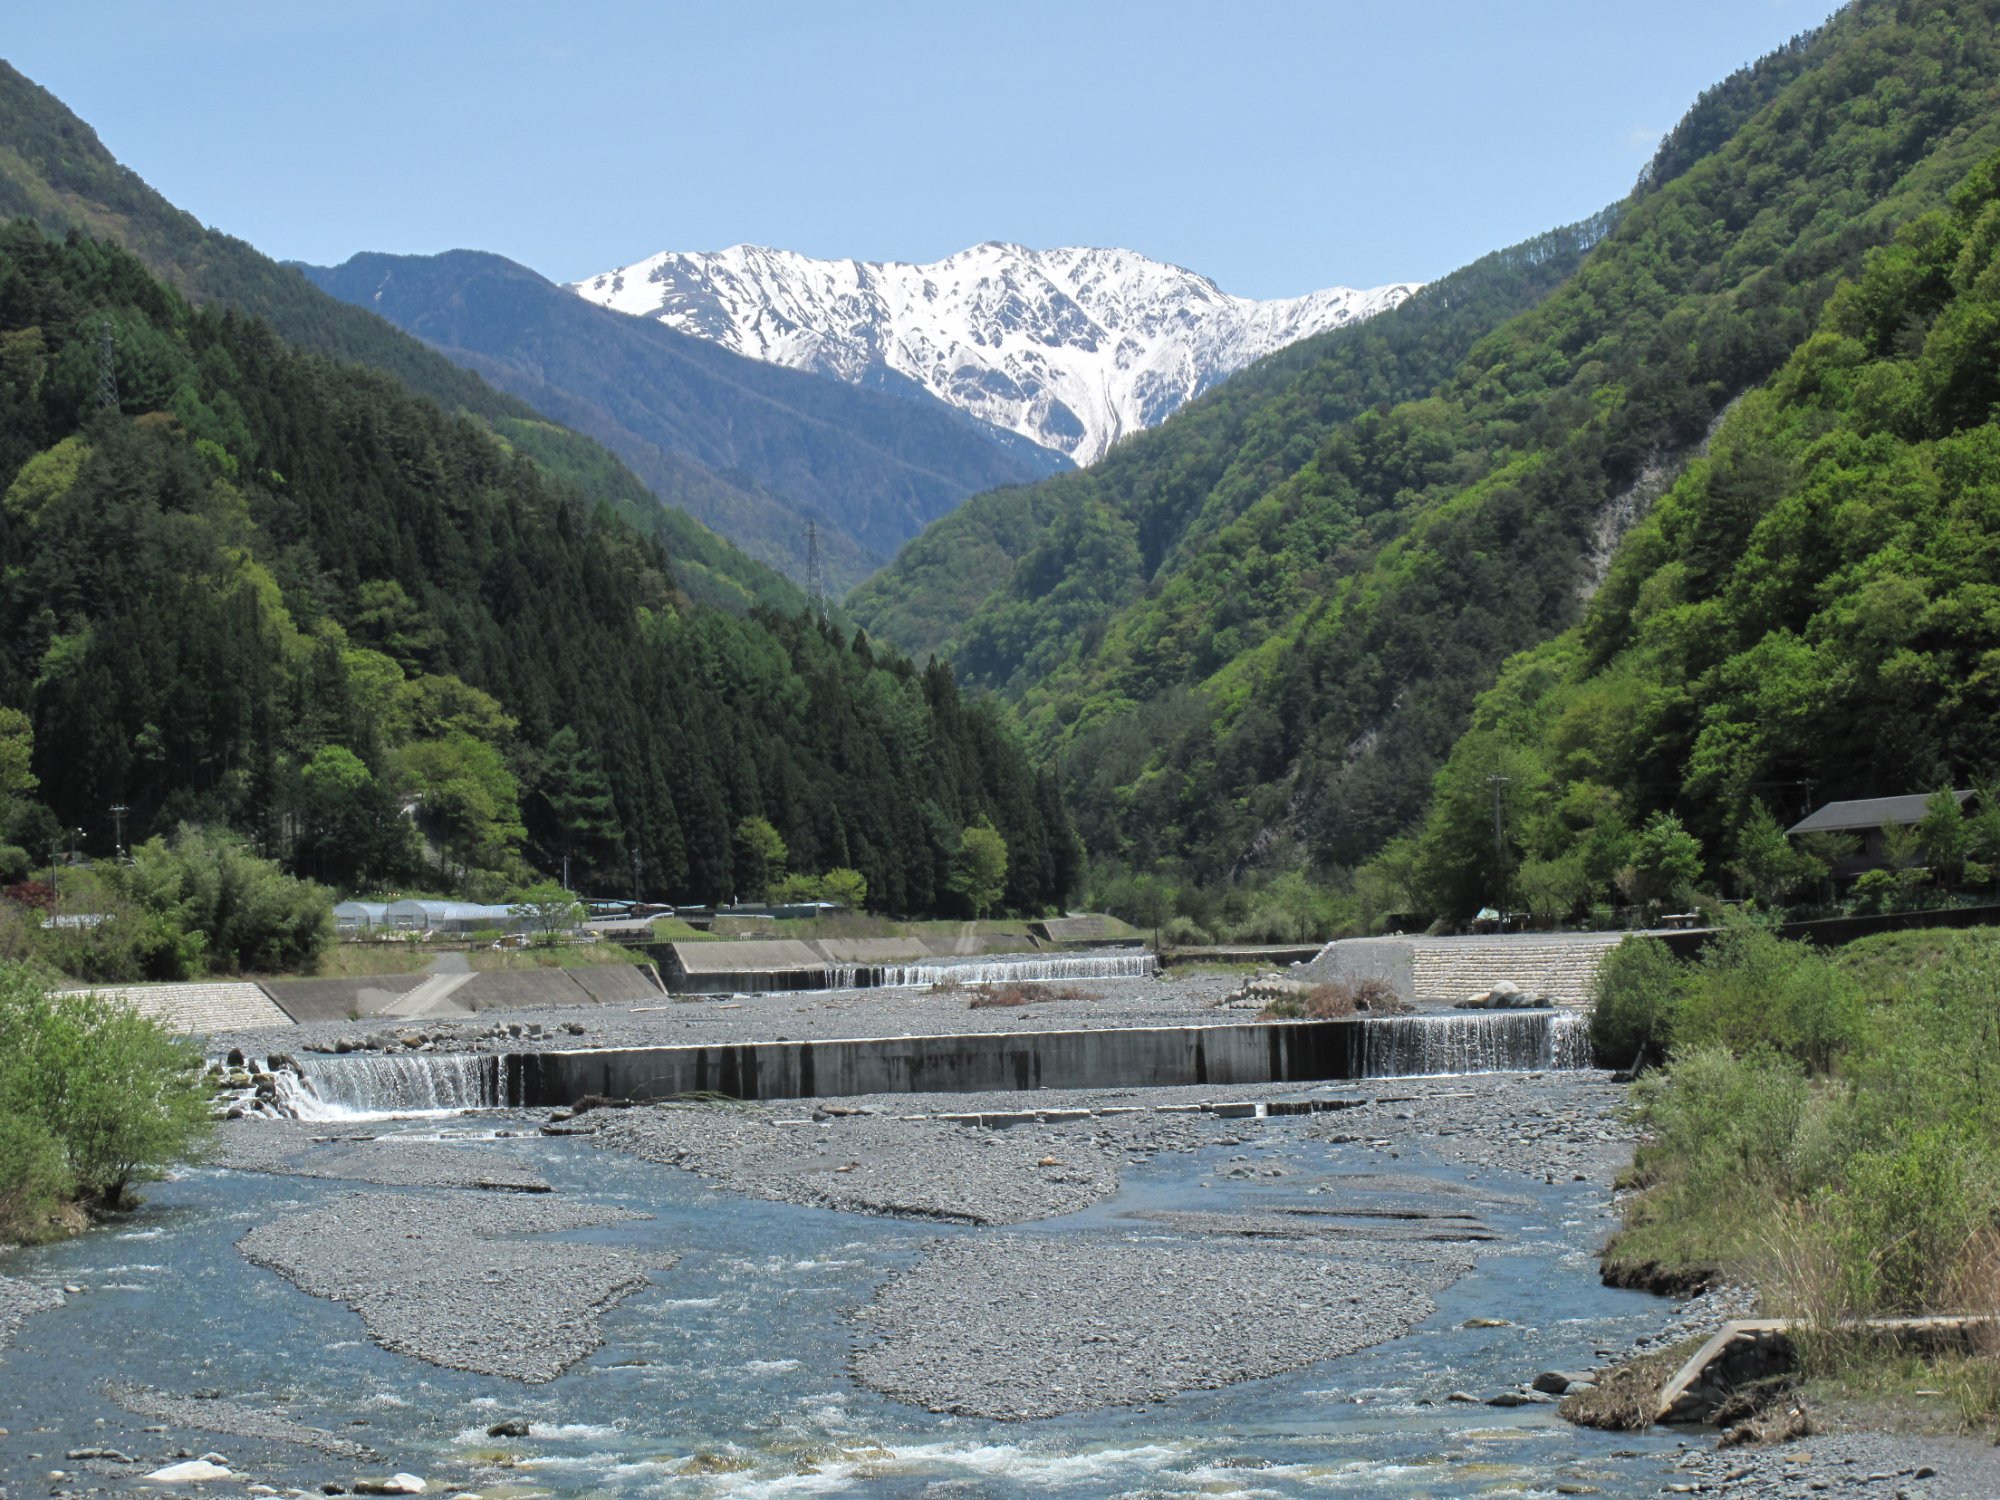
(1072, 348)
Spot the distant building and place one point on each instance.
(352, 917)
(453, 918)
(1866, 817)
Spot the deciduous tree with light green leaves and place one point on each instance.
(979, 869)
(760, 856)
(94, 1097)
(1767, 864)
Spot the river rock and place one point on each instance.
(513, 1427)
(194, 1471)
(395, 1484)
(1557, 1382)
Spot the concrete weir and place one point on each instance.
(1123, 1057)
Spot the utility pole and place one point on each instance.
(637, 865)
(1499, 845)
(815, 570)
(118, 811)
(565, 872)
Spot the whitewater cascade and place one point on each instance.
(1007, 969)
(1520, 1041)
(372, 1087)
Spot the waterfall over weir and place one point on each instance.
(1227, 1056)
(1521, 1041)
(1012, 969)
(365, 1086)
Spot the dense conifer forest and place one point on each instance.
(250, 587)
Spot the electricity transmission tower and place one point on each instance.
(815, 570)
(107, 367)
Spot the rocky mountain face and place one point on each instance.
(1071, 348)
(751, 449)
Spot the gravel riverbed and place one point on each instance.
(20, 1298)
(1038, 1325)
(1185, 999)
(356, 1153)
(460, 1280)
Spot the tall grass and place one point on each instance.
(1824, 1127)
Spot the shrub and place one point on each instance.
(250, 914)
(119, 1096)
(991, 997)
(1633, 1001)
(1905, 1219)
(32, 1177)
(1752, 990)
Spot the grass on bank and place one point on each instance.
(1825, 1128)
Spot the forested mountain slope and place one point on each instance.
(1291, 683)
(1013, 582)
(270, 590)
(871, 468)
(1811, 613)
(54, 170)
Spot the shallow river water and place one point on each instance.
(739, 1352)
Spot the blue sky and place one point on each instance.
(1272, 145)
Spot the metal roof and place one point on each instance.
(1869, 812)
(449, 911)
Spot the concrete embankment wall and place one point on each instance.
(1439, 971)
(1162, 1056)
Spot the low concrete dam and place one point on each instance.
(1243, 1054)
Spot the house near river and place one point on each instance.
(1868, 818)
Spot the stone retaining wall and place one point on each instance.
(1435, 972)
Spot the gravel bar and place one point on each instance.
(205, 1415)
(871, 1164)
(1015, 1326)
(458, 1280)
(19, 1299)
(1169, 1000)
(302, 1148)
(1877, 1464)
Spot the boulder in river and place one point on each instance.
(194, 1471)
(395, 1484)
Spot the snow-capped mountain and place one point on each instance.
(1072, 348)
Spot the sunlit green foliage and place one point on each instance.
(93, 1098)
(1812, 604)
(1270, 660)
(389, 650)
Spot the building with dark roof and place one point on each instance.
(1867, 817)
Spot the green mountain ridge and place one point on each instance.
(1279, 681)
(54, 170)
(1810, 614)
(280, 593)
(870, 467)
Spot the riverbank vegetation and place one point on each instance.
(94, 1098)
(1825, 1127)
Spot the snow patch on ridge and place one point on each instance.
(1072, 348)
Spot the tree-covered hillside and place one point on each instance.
(262, 589)
(1287, 690)
(1810, 613)
(872, 468)
(1011, 582)
(54, 170)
